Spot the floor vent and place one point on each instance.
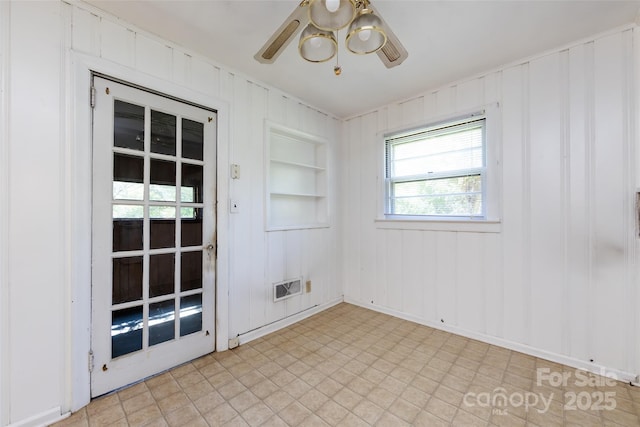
(286, 289)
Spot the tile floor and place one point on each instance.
(350, 366)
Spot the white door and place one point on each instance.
(153, 243)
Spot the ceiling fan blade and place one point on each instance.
(283, 35)
(393, 52)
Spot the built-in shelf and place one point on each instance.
(296, 179)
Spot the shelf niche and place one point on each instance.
(296, 179)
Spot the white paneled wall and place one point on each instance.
(558, 277)
(44, 349)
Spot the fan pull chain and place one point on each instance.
(337, 69)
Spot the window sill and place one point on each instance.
(459, 225)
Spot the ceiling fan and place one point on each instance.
(319, 19)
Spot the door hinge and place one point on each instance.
(92, 97)
(90, 361)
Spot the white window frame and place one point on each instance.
(491, 173)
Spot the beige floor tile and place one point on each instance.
(331, 412)
(278, 401)
(389, 420)
(349, 366)
(257, 414)
(221, 414)
(138, 402)
(294, 414)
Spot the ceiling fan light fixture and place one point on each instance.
(366, 33)
(331, 15)
(317, 45)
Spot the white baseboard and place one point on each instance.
(42, 419)
(620, 375)
(287, 321)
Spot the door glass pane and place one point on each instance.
(163, 133)
(191, 226)
(192, 139)
(128, 126)
(128, 173)
(191, 271)
(191, 183)
(127, 227)
(127, 279)
(190, 314)
(162, 226)
(126, 331)
(163, 181)
(161, 274)
(161, 322)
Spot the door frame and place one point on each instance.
(79, 216)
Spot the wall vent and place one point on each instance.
(287, 289)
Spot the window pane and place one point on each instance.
(449, 152)
(191, 191)
(162, 227)
(190, 314)
(128, 126)
(191, 226)
(192, 139)
(126, 280)
(126, 331)
(458, 196)
(162, 317)
(163, 181)
(191, 271)
(127, 227)
(163, 133)
(161, 274)
(445, 167)
(128, 172)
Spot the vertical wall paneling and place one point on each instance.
(609, 187)
(240, 298)
(117, 43)
(578, 179)
(429, 261)
(368, 175)
(470, 284)
(252, 168)
(86, 34)
(353, 214)
(35, 28)
(469, 94)
(380, 296)
(545, 202)
(559, 276)
(180, 67)
(493, 286)
(412, 111)
(412, 275)
(513, 233)
(70, 353)
(630, 213)
(446, 283)
(153, 57)
(395, 280)
(5, 32)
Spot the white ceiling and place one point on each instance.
(446, 40)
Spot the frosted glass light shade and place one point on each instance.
(324, 19)
(366, 34)
(317, 45)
